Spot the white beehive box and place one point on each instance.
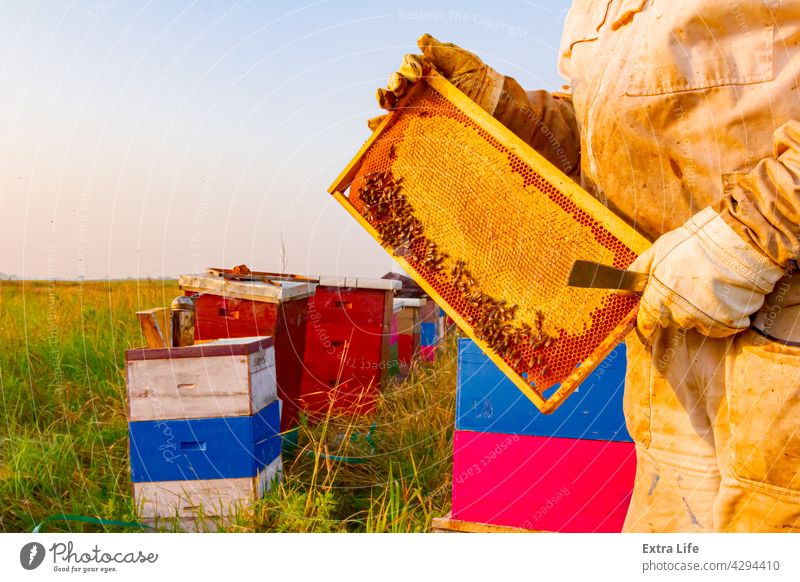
(234, 377)
(201, 505)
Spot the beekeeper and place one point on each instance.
(684, 118)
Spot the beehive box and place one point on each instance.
(204, 430)
(490, 230)
(428, 331)
(237, 309)
(428, 340)
(233, 378)
(542, 483)
(406, 328)
(487, 401)
(224, 447)
(347, 344)
(202, 504)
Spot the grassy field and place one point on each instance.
(63, 431)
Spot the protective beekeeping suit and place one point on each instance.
(684, 117)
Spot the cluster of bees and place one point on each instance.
(393, 217)
(388, 211)
(493, 322)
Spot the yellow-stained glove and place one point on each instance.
(465, 70)
(543, 120)
(468, 72)
(703, 276)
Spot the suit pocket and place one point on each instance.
(764, 408)
(711, 45)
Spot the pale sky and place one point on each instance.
(151, 139)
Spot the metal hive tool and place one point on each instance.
(490, 230)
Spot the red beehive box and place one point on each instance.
(347, 343)
(278, 308)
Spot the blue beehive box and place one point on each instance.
(205, 448)
(487, 401)
(427, 334)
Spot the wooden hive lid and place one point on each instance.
(401, 302)
(267, 291)
(239, 346)
(359, 282)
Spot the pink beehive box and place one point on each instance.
(542, 483)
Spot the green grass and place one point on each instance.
(63, 431)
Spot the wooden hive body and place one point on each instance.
(406, 328)
(203, 430)
(347, 342)
(240, 309)
(542, 483)
(201, 381)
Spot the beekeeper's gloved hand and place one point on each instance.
(703, 276)
(470, 74)
(543, 120)
(465, 70)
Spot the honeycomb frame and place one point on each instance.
(556, 364)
